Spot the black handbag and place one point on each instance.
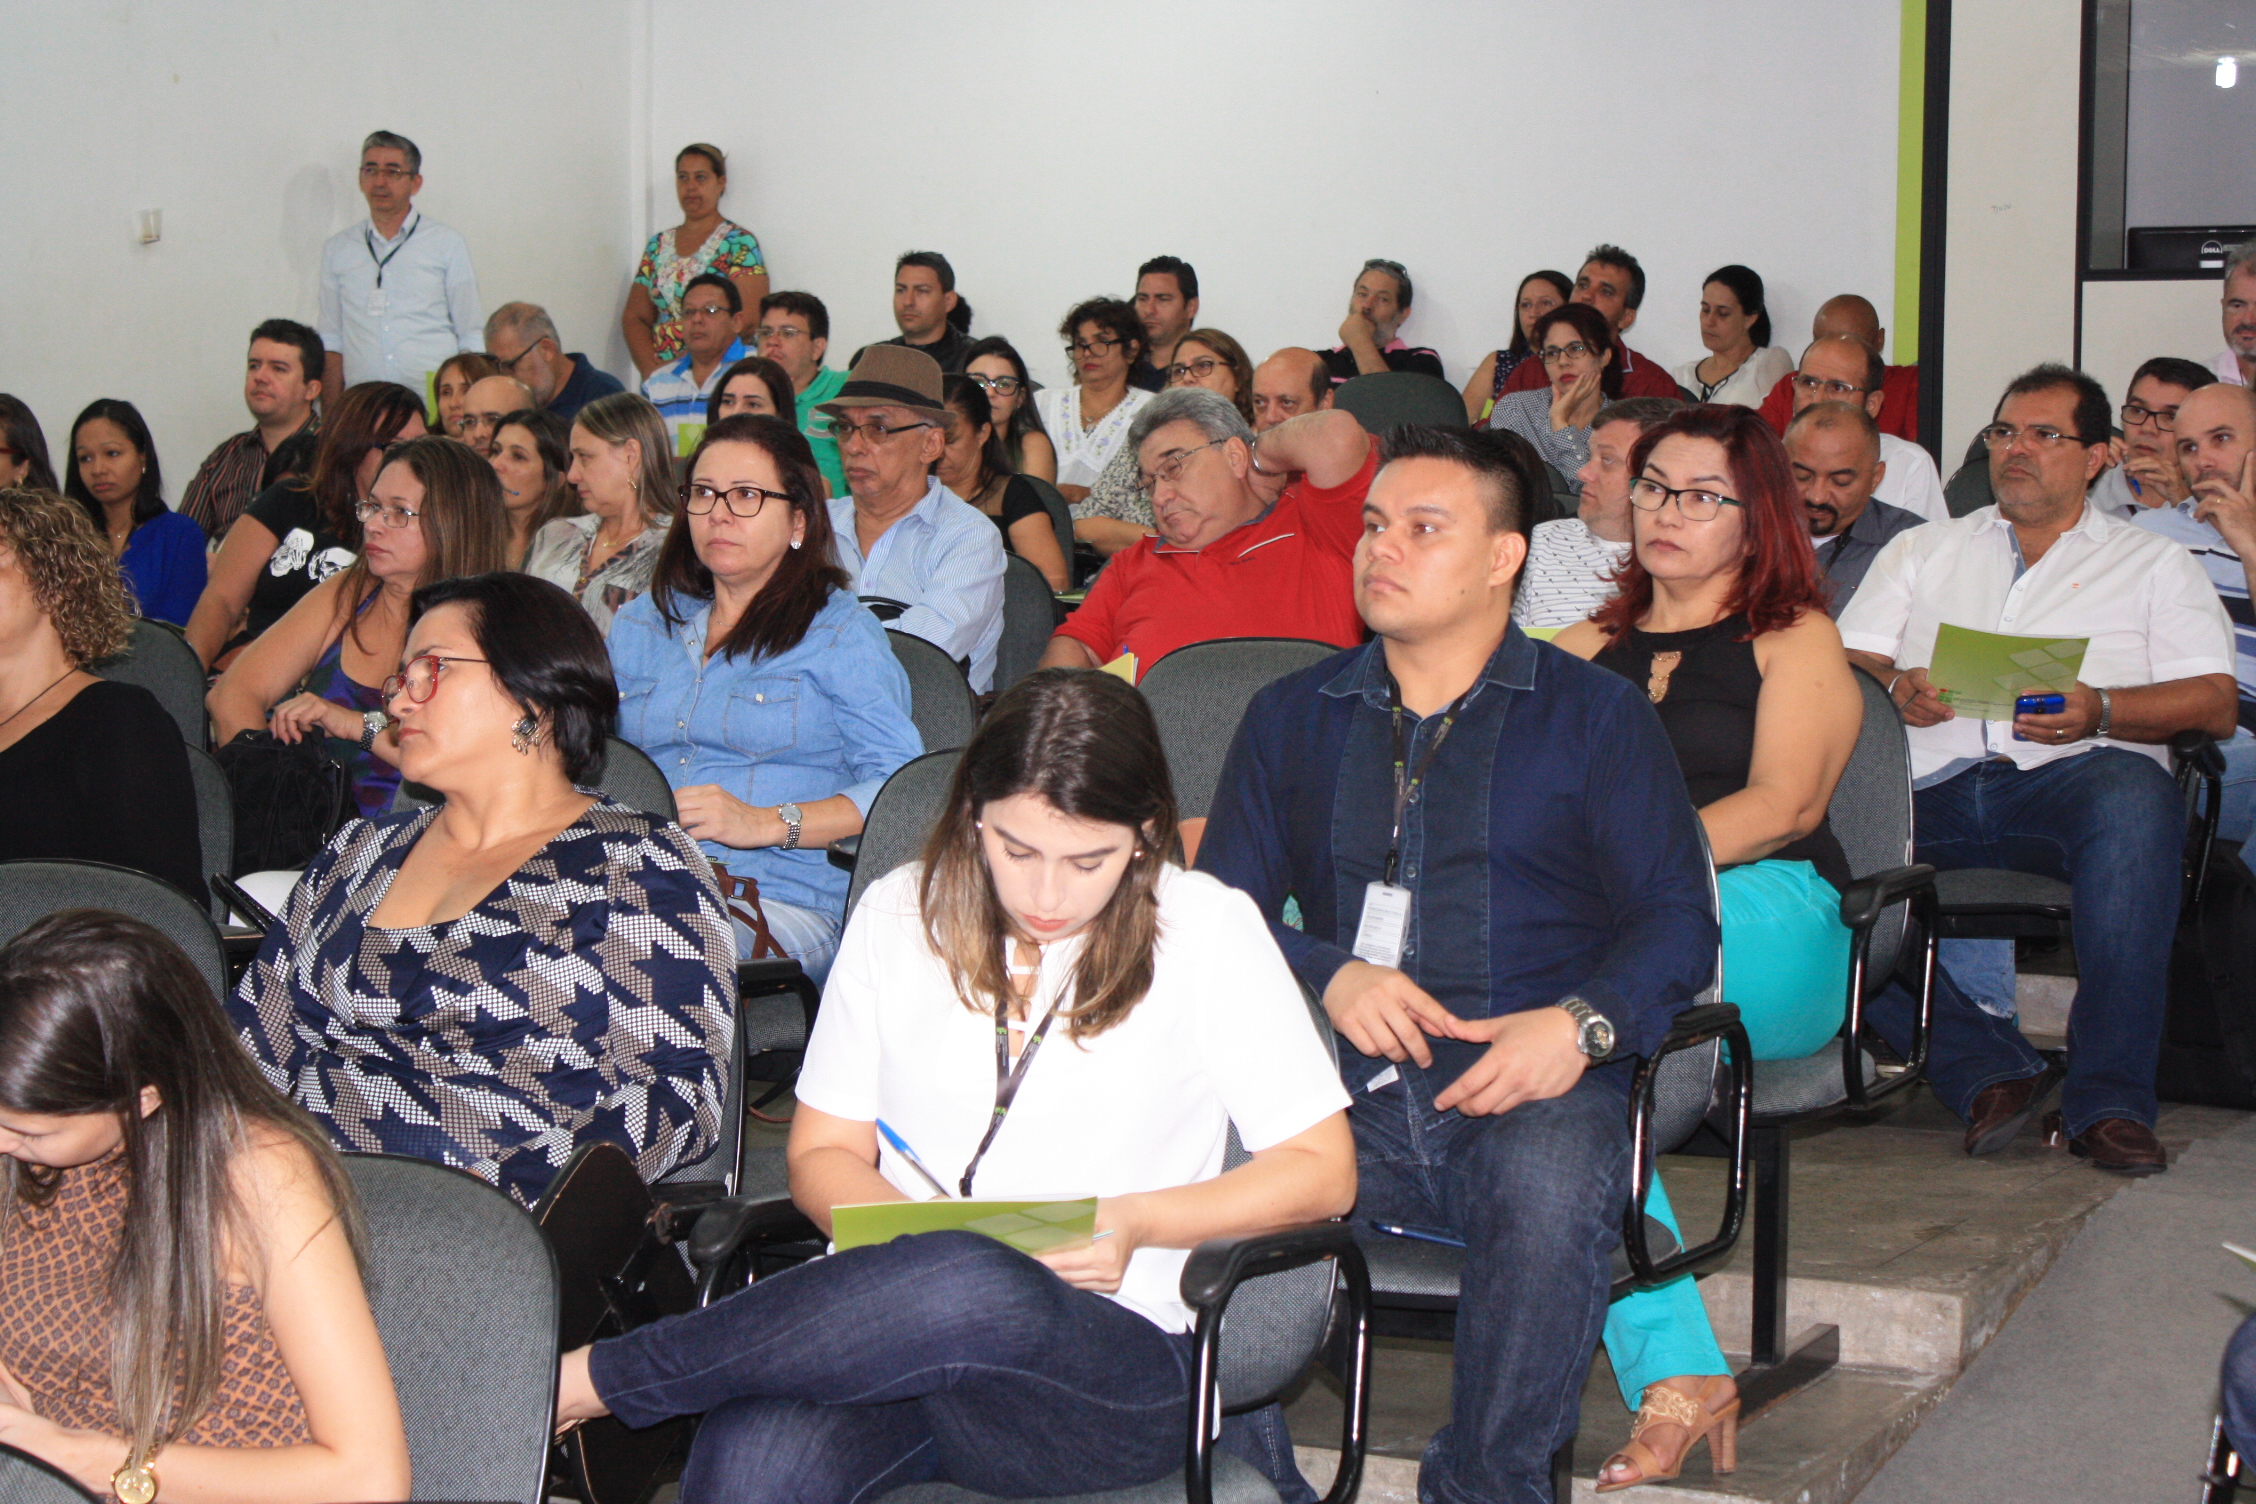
(290, 798)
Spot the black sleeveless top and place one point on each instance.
(1705, 684)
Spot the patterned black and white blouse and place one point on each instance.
(587, 998)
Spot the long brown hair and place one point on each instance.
(465, 528)
(624, 417)
(777, 619)
(368, 416)
(1087, 743)
(95, 1007)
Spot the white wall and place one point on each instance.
(1047, 149)
(2128, 323)
(242, 120)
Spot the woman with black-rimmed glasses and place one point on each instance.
(1088, 421)
(759, 684)
(996, 368)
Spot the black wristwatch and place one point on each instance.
(1596, 1039)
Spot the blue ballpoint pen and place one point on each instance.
(1395, 1229)
(901, 1147)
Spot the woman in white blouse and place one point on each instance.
(1088, 421)
(1741, 365)
(1045, 1005)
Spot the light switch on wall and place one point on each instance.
(152, 226)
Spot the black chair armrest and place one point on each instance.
(1862, 904)
(2199, 751)
(1863, 901)
(1694, 1026)
(724, 1230)
(844, 851)
(1212, 1274)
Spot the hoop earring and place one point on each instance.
(524, 736)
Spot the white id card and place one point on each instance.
(1386, 924)
(377, 302)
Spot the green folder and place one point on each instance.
(1981, 674)
(1028, 1226)
(686, 439)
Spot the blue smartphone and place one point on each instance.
(2038, 705)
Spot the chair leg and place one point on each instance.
(2220, 1481)
(1778, 1370)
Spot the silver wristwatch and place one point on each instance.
(1597, 1037)
(372, 724)
(791, 816)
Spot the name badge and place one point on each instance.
(1385, 926)
(376, 300)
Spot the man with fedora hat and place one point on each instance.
(902, 535)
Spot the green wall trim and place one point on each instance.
(1911, 156)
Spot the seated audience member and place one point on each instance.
(1538, 294)
(2146, 474)
(1289, 383)
(1557, 917)
(523, 968)
(1612, 282)
(113, 474)
(1045, 893)
(2236, 363)
(1572, 561)
(301, 530)
(996, 365)
(1117, 511)
(1577, 347)
(622, 467)
(704, 244)
(1741, 365)
(754, 387)
(755, 680)
(1370, 335)
(1167, 305)
(1233, 557)
(1721, 621)
(682, 388)
(1088, 420)
(451, 384)
(1842, 368)
(2082, 795)
(489, 400)
(1848, 314)
(533, 460)
(23, 448)
(1834, 449)
(898, 533)
(974, 468)
(523, 341)
(281, 384)
(932, 316)
(182, 1268)
(794, 332)
(95, 770)
(433, 513)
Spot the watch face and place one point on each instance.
(134, 1485)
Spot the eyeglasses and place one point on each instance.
(476, 422)
(1171, 468)
(2043, 435)
(872, 434)
(1696, 505)
(509, 366)
(1200, 368)
(743, 501)
(1004, 384)
(1839, 391)
(1091, 346)
(2138, 415)
(420, 678)
(1551, 355)
(784, 331)
(387, 171)
(369, 511)
(710, 310)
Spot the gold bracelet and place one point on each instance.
(134, 1483)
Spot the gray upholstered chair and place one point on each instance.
(31, 890)
(1198, 694)
(628, 776)
(1030, 615)
(940, 699)
(161, 662)
(1060, 510)
(1388, 399)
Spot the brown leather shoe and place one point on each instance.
(2000, 1112)
(2118, 1144)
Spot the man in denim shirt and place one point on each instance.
(1558, 895)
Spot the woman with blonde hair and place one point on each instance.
(622, 466)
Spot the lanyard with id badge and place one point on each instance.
(377, 302)
(1386, 904)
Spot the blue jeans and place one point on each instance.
(941, 1356)
(2110, 823)
(1537, 1194)
(2238, 1383)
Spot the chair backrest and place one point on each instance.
(1392, 398)
(31, 890)
(24, 1479)
(1029, 617)
(1060, 510)
(215, 819)
(1871, 813)
(1685, 1085)
(629, 776)
(1199, 694)
(940, 699)
(463, 1287)
(161, 662)
(900, 818)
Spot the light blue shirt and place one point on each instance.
(944, 561)
(830, 716)
(678, 398)
(426, 310)
(2217, 559)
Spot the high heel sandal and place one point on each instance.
(1712, 1416)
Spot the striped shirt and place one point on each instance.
(2218, 561)
(1569, 574)
(231, 475)
(681, 399)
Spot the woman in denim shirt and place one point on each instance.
(759, 684)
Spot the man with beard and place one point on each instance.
(1834, 449)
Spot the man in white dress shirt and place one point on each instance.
(398, 294)
(2084, 794)
(1843, 368)
(2236, 363)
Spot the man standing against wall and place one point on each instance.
(398, 294)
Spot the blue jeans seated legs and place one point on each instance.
(1537, 1195)
(945, 1355)
(2238, 1384)
(806, 935)
(2109, 823)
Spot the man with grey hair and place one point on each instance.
(523, 341)
(2237, 362)
(398, 294)
(1370, 335)
(1256, 535)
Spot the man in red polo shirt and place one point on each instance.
(1234, 558)
(1899, 401)
(1612, 282)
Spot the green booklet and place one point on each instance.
(1980, 674)
(1028, 1226)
